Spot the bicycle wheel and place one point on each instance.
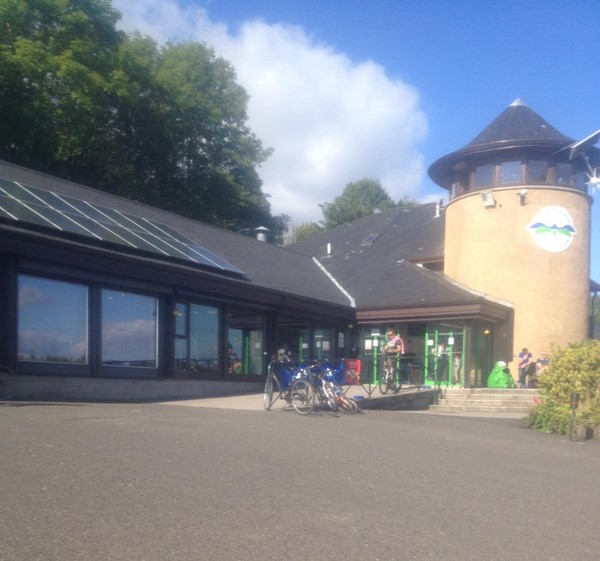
(385, 381)
(331, 398)
(302, 396)
(397, 384)
(347, 405)
(272, 391)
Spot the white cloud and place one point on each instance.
(328, 119)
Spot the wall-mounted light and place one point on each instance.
(523, 197)
(487, 331)
(487, 198)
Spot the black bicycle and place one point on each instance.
(289, 384)
(390, 379)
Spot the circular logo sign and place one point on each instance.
(552, 229)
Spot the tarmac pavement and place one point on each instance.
(254, 402)
(224, 480)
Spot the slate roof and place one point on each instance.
(518, 127)
(265, 265)
(380, 275)
(414, 234)
(518, 124)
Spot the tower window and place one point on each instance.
(537, 171)
(510, 172)
(564, 174)
(484, 175)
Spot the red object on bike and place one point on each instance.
(352, 371)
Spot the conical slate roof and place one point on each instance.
(518, 124)
(518, 127)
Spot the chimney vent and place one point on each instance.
(261, 233)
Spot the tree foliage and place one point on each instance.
(575, 369)
(163, 125)
(302, 231)
(359, 198)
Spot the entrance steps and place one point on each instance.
(485, 400)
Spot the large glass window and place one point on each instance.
(510, 172)
(196, 340)
(245, 342)
(580, 181)
(537, 171)
(129, 329)
(52, 320)
(323, 344)
(564, 174)
(484, 176)
(294, 339)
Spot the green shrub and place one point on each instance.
(575, 369)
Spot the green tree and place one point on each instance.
(55, 63)
(359, 198)
(302, 231)
(575, 369)
(214, 153)
(165, 126)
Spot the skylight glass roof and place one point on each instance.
(370, 239)
(66, 214)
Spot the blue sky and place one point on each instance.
(382, 88)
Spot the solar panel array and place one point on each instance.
(67, 214)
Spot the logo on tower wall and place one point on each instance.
(552, 229)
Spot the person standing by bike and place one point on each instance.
(393, 348)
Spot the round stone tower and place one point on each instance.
(518, 227)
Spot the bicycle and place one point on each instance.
(302, 396)
(343, 403)
(292, 387)
(277, 384)
(304, 388)
(390, 379)
(323, 388)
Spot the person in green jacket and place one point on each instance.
(500, 376)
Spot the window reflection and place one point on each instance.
(537, 171)
(129, 329)
(324, 344)
(52, 318)
(510, 172)
(484, 176)
(245, 341)
(196, 340)
(564, 174)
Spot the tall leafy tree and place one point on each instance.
(55, 61)
(303, 231)
(214, 153)
(163, 125)
(359, 198)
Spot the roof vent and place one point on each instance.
(439, 207)
(261, 233)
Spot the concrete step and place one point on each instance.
(486, 400)
(445, 408)
(491, 391)
(489, 402)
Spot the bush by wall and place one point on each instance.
(575, 369)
